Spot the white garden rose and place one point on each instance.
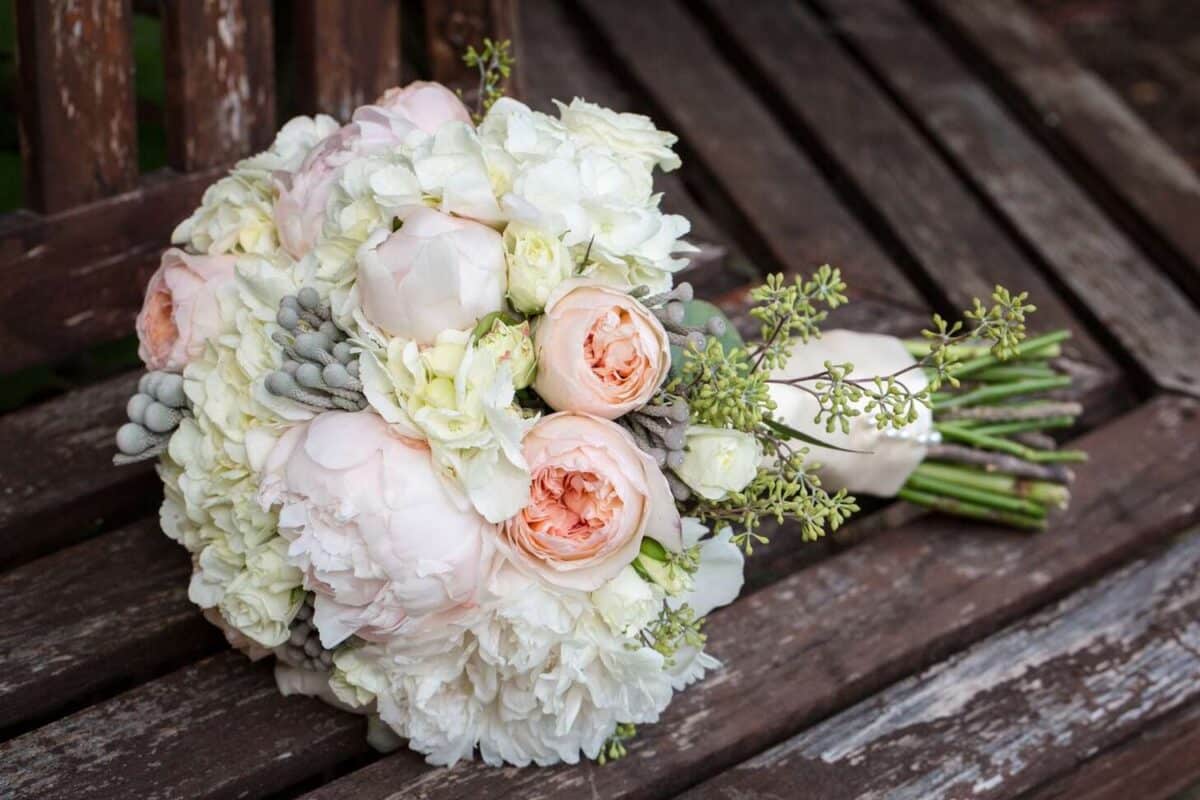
(262, 600)
(629, 135)
(460, 398)
(718, 461)
(235, 216)
(537, 263)
(628, 602)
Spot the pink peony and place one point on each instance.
(594, 496)
(599, 351)
(436, 272)
(378, 538)
(181, 310)
(425, 104)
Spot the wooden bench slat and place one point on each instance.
(1013, 710)
(57, 475)
(948, 231)
(78, 132)
(1156, 764)
(863, 619)
(91, 616)
(779, 194)
(1128, 297)
(216, 729)
(76, 279)
(346, 54)
(220, 70)
(453, 25)
(1136, 174)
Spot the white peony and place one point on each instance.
(235, 216)
(536, 677)
(718, 461)
(460, 398)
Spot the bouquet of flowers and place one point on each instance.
(445, 438)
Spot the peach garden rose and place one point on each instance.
(599, 351)
(594, 497)
(181, 310)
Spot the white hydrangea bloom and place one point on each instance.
(535, 677)
(235, 216)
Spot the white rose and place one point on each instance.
(538, 262)
(265, 596)
(511, 346)
(235, 216)
(628, 603)
(718, 461)
(630, 135)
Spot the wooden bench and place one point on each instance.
(928, 147)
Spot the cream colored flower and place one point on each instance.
(628, 602)
(537, 263)
(718, 461)
(235, 216)
(629, 135)
(263, 598)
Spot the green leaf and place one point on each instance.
(698, 313)
(791, 433)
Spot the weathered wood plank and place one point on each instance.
(453, 25)
(57, 474)
(74, 280)
(926, 208)
(94, 616)
(1156, 764)
(220, 71)
(1133, 172)
(216, 729)
(347, 54)
(78, 133)
(763, 183)
(1013, 710)
(1142, 309)
(854, 623)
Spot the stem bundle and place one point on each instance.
(996, 462)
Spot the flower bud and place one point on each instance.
(511, 345)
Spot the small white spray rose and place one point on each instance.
(628, 603)
(718, 461)
(265, 596)
(538, 262)
(511, 346)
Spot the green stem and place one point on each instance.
(951, 431)
(970, 494)
(962, 508)
(1025, 349)
(1002, 373)
(1047, 493)
(999, 391)
(1023, 425)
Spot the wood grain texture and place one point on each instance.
(1136, 174)
(959, 246)
(56, 473)
(95, 615)
(1157, 763)
(1108, 276)
(76, 279)
(77, 124)
(773, 190)
(220, 69)
(453, 25)
(216, 729)
(1012, 710)
(347, 54)
(830, 635)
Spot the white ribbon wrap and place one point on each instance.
(889, 456)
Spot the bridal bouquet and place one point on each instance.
(444, 437)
